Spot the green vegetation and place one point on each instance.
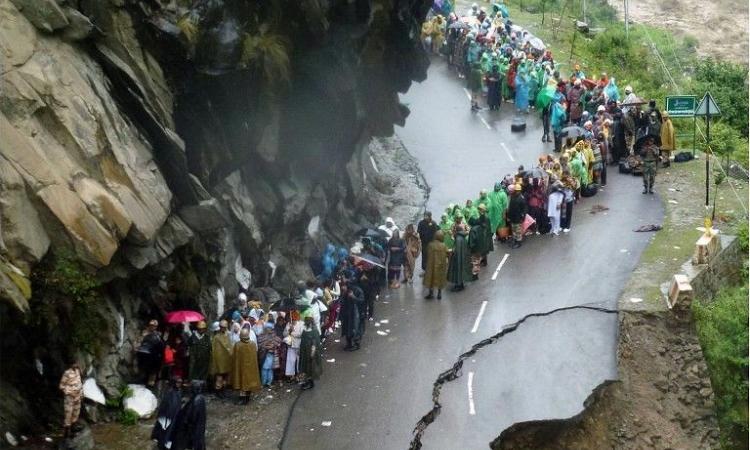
(128, 417)
(723, 331)
(66, 296)
(124, 416)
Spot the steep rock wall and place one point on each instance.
(157, 152)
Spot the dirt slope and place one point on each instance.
(720, 26)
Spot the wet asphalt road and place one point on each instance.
(546, 368)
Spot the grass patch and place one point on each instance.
(722, 327)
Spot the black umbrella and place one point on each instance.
(286, 304)
(369, 259)
(572, 132)
(460, 24)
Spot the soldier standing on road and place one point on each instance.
(72, 388)
(650, 155)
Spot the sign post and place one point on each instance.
(682, 107)
(708, 108)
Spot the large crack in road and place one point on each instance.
(455, 371)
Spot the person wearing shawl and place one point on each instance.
(426, 229)
(446, 225)
(245, 373)
(190, 429)
(480, 240)
(268, 348)
(667, 138)
(221, 358)
(413, 249)
(575, 98)
(166, 415)
(396, 248)
(516, 213)
(199, 351)
(437, 266)
(292, 334)
(497, 204)
(459, 268)
(352, 306)
(493, 88)
(310, 363)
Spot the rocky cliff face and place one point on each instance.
(157, 155)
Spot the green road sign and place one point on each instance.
(681, 105)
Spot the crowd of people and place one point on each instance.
(253, 345)
(591, 126)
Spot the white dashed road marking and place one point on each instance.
(479, 317)
(472, 411)
(500, 266)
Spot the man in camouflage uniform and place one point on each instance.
(72, 388)
(650, 155)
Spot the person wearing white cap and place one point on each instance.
(630, 97)
(389, 227)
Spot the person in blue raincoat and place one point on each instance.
(522, 91)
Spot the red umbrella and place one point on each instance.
(184, 316)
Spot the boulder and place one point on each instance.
(44, 14)
(21, 230)
(142, 401)
(79, 28)
(92, 391)
(82, 440)
(17, 36)
(207, 215)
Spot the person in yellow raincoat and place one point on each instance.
(221, 358)
(668, 143)
(436, 274)
(438, 27)
(245, 374)
(587, 156)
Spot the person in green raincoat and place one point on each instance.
(504, 88)
(470, 211)
(578, 170)
(474, 84)
(498, 203)
(483, 198)
(445, 226)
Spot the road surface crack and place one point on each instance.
(455, 371)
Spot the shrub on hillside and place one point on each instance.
(723, 331)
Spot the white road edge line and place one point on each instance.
(500, 266)
(472, 411)
(479, 317)
(468, 94)
(374, 166)
(502, 144)
(485, 123)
